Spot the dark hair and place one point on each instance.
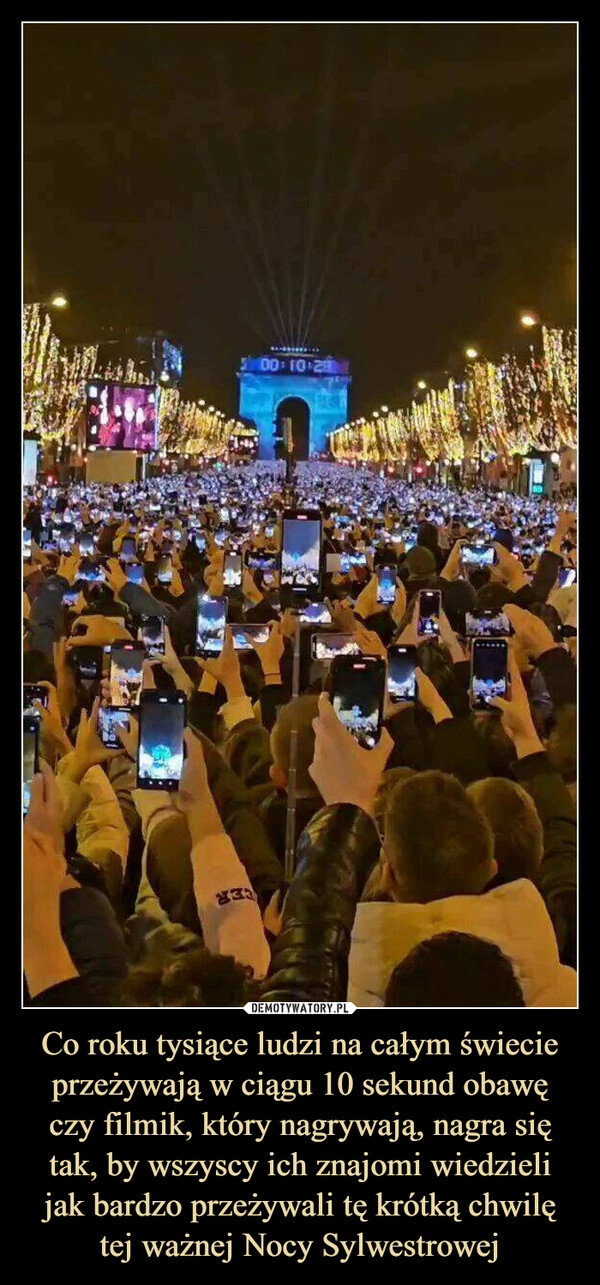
(454, 970)
(428, 536)
(515, 825)
(494, 596)
(192, 979)
(436, 841)
(37, 668)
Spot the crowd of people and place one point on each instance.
(437, 868)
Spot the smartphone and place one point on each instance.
(387, 585)
(88, 662)
(489, 671)
(198, 540)
(401, 681)
(256, 560)
(567, 576)
(33, 692)
(109, 717)
(314, 613)
(220, 536)
(164, 570)
(135, 573)
(151, 634)
(86, 544)
(357, 694)
(26, 543)
(428, 622)
(127, 550)
(487, 624)
(477, 554)
(232, 570)
(126, 660)
(160, 750)
(358, 558)
(31, 760)
(70, 597)
(301, 551)
(328, 646)
(245, 636)
(334, 562)
(210, 626)
(90, 571)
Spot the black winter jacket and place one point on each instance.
(336, 853)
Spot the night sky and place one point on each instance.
(393, 191)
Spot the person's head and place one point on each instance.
(297, 714)
(515, 824)
(192, 979)
(436, 841)
(427, 535)
(459, 596)
(37, 668)
(420, 561)
(392, 777)
(493, 596)
(499, 752)
(454, 970)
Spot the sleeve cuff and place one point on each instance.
(237, 711)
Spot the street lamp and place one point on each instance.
(59, 301)
(421, 385)
(471, 353)
(528, 319)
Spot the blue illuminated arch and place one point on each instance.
(322, 382)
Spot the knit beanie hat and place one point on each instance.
(421, 562)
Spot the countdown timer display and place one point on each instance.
(294, 364)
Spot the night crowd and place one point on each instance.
(286, 859)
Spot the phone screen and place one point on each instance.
(86, 544)
(90, 571)
(30, 757)
(127, 550)
(232, 570)
(387, 585)
(135, 573)
(198, 540)
(26, 543)
(357, 691)
(151, 634)
(429, 611)
(210, 629)
(301, 552)
(32, 692)
(402, 684)
(328, 646)
(258, 561)
(126, 660)
(164, 570)
(160, 752)
(108, 718)
(489, 667)
(245, 636)
(486, 624)
(315, 613)
(567, 576)
(88, 661)
(477, 555)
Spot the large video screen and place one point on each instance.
(121, 417)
